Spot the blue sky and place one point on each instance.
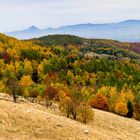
(20, 14)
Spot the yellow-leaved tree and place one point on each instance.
(26, 80)
(126, 95)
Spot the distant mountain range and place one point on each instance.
(128, 30)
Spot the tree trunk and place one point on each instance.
(14, 98)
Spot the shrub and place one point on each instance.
(2, 86)
(85, 112)
(121, 108)
(65, 106)
(33, 94)
(100, 102)
(14, 89)
(39, 99)
(137, 103)
(51, 94)
(113, 98)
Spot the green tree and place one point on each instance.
(130, 109)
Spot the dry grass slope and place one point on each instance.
(27, 121)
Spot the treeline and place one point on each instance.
(100, 46)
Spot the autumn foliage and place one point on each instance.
(75, 106)
(121, 108)
(100, 102)
(54, 69)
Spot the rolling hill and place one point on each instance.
(91, 45)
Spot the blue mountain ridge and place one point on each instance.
(128, 31)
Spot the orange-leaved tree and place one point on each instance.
(100, 101)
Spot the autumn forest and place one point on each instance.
(76, 73)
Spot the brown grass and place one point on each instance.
(28, 121)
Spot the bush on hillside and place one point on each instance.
(121, 108)
(100, 102)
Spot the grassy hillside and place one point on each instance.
(76, 73)
(27, 120)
